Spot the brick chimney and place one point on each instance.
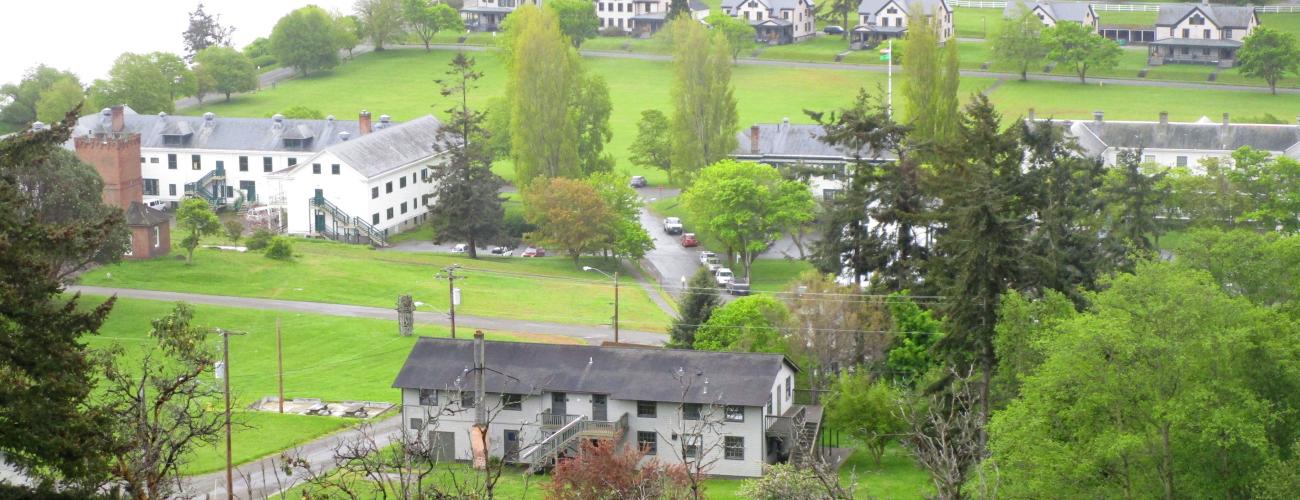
(119, 121)
(1164, 117)
(363, 122)
(753, 140)
(1225, 120)
(117, 159)
(1098, 117)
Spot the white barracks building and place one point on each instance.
(350, 180)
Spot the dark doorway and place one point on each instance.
(559, 404)
(250, 190)
(511, 445)
(599, 407)
(320, 222)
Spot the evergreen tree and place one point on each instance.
(1134, 198)
(697, 305)
(704, 120)
(466, 200)
(205, 30)
(679, 8)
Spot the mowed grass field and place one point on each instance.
(328, 357)
(549, 289)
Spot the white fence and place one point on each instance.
(1122, 7)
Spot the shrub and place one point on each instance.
(265, 61)
(515, 226)
(603, 470)
(280, 248)
(785, 482)
(259, 240)
(234, 229)
(612, 31)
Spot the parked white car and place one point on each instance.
(460, 248)
(706, 255)
(723, 276)
(712, 264)
(673, 225)
(156, 204)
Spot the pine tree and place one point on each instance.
(697, 305)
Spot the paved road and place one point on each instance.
(670, 260)
(1132, 82)
(465, 323)
(259, 477)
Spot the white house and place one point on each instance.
(775, 21)
(487, 15)
(738, 409)
(1054, 12)
(800, 147)
(1181, 144)
(643, 18)
(883, 19)
(284, 163)
(1201, 33)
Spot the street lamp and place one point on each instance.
(615, 278)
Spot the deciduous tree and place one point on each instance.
(1019, 42)
(1080, 48)
(866, 408)
(195, 216)
(738, 32)
(569, 214)
(756, 323)
(226, 71)
(543, 73)
(833, 327)
(205, 30)
(916, 331)
(426, 19)
(55, 102)
(603, 469)
(577, 19)
(148, 83)
(747, 206)
(651, 148)
(629, 239)
(380, 19)
(1269, 54)
(306, 39)
(23, 97)
(704, 120)
(591, 112)
(466, 200)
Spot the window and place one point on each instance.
(142, 160)
(428, 397)
(891, 10)
(196, 162)
(334, 169)
(1205, 51)
(691, 411)
(1183, 51)
(151, 187)
(266, 163)
(648, 442)
(417, 423)
(1205, 33)
(1196, 20)
(157, 237)
(646, 409)
(153, 160)
(1227, 32)
(735, 413)
(171, 190)
(374, 192)
(293, 161)
(388, 187)
(733, 447)
(789, 386)
(1148, 158)
(691, 445)
(401, 183)
(467, 399)
(513, 402)
(171, 162)
(315, 168)
(1187, 33)
(403, 207)
(243, 163)
(1181, 161)
(390, 214)
(374, 218)
(769, 406)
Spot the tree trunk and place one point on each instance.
(1272, 86)
(227, 96)
(473, 248)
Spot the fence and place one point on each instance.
(1124, 7)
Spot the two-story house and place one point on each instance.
(355, 181)
(650, 16)
(1181, 144)
(487, 15)
(737, 411)
(802, 152)
(775, 21)
(883, 19)
(1200, 33)
(1053, 12)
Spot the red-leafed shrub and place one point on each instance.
(603, 470)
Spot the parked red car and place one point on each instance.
(534, 252)
(688, 240)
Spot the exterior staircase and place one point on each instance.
(567, 438)
(805, 450)
(346, 228)
(209, 188)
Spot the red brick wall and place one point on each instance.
(142, 242)
(117, 159)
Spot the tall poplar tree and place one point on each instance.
(705, 120)
(930, 77)
(543, 69)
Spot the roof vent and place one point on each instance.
(106, 112)
(162, 114)
(1098, 116)
(330, 118)
(278, 118)
(343, 136)
(385, 118)
(209, 116)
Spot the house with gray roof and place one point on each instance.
(799, 147)
(487, 15)
(775, 21)
(329, 177)
(1053, 12)
(650, 16)
(1200, 33)
(735, 411)
(1181, 144)
(879, 20)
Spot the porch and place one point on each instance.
(774, 32)
(484, 18)
(869, 35)
(1222, 53)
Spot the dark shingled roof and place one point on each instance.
(1096, 137)
(140, 215)
(621, 372)
(391, 147)
(792, 142)
(1223, 16)
(1077, 12)
(220, 133)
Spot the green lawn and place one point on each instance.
(315, 347)
(1076, 101)
(550, 289)
(823, 48)
(1114, 18)
(970, 22)
(775, 275)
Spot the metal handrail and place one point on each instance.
(557, 419)
(376, 236)
(553, 443)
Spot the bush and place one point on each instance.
(613, 31)
(515, 226)
(234, 229)
(259, 240)
(785, 482)
(280, 248)
(265, 61)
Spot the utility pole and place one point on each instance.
(279, 363)
(451, 278)
(615, 307)
(224, 374)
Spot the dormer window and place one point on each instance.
(1196, 20)
(290, 143)
(891, 10)
(753, 5)
(175, 139)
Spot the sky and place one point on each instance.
(85, 36)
